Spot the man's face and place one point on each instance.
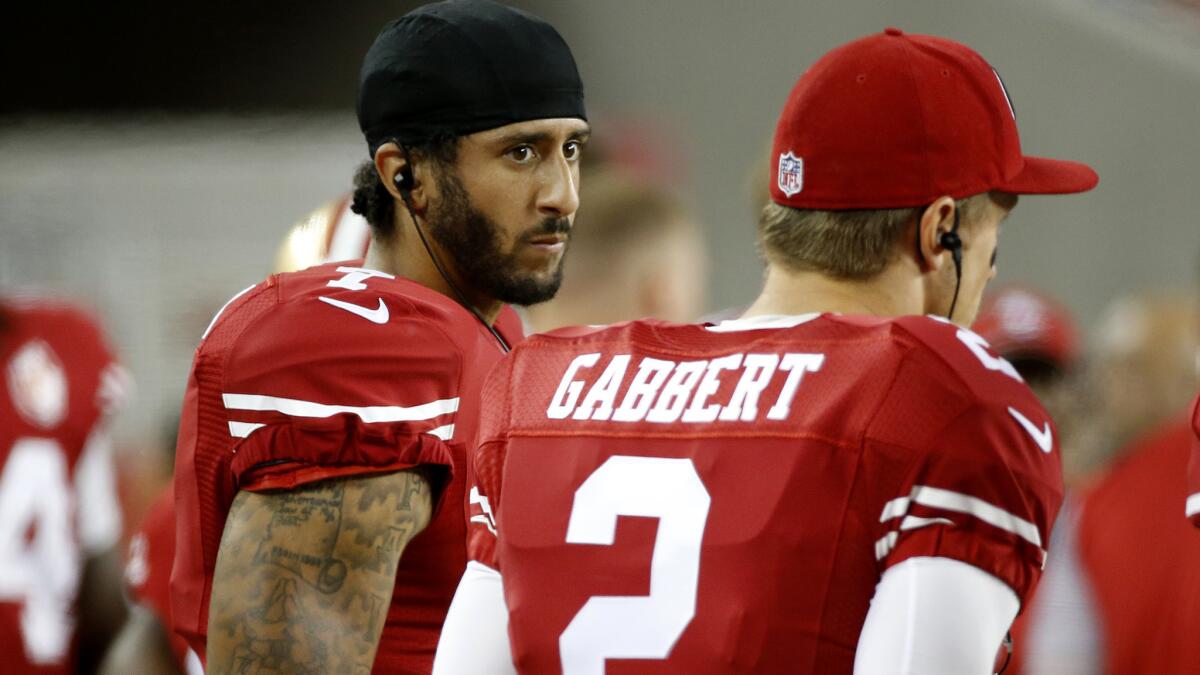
(980, 240)
(504, 210)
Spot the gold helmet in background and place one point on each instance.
(331, 232)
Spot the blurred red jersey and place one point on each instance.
(1192, 503)
(1142, 560)
(148, 571)
(57, 503)
(721, 499)
(333, 371)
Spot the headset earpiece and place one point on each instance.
(950, 241)
(403, 179)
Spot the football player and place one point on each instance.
(60, 602)
(1132, 558)
(832, 483)
(320, 469)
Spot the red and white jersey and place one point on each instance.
(148, 573)
(333, 371)
(721, 499)
(57, 499)
(1141, 560)
(1192, 507)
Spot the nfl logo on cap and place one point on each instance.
(791, 173)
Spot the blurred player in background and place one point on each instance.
(147, 644)
(635, 253)
(60, 600)
(328, 410)
(1124, 597)
(832, 483)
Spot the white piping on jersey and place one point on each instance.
(373, 413)
(1193, 505)
(917, 522)
(888, 541)
(444, 432)
(223, 308)
(243, 429)
(762, 322)
(948, 500)
(487, 517)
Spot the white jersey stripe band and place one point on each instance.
(243, 429)
(374, 413)
(1193, 505)
(949, 500)
(992, 515)
(444, 432)
(894, 509)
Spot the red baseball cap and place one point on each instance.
(1019, 322)
(895, 120)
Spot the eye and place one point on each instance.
(522, 154)
(572, 150)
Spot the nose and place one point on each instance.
(558, 196)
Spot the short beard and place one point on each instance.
(472, 240)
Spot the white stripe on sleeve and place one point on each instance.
(948, 500)
(243, 429)
(374, 413)
(1193, 505)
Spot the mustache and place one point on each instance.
(549, 226)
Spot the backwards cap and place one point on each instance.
(894, 120)
(463, 66)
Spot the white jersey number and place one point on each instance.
(638, 627)
(42, 573)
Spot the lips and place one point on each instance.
(548, 240)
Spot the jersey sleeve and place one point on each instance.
(487, 460)
(977, 474)
(1193, 501)
(315, 391)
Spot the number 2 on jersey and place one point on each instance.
(638, 627)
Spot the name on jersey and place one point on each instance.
(725, 389)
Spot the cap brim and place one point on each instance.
(1044, 176)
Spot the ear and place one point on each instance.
(932, 223)
(391, 162)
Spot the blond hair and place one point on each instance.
(850, 244)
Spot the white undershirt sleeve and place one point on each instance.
(935, 616)
(475, 636)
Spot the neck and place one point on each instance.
(404, 255)
(890, 293)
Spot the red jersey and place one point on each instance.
(725, 499)
(148, 570)
(333, 371)
(1142, 560)
(57, 503)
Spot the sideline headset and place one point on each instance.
(952, 243)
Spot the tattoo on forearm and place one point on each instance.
(304, 578)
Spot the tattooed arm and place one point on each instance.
(304, 577)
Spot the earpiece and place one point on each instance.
(951, 242)
(403, 179)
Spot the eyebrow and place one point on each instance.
(536, 137)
